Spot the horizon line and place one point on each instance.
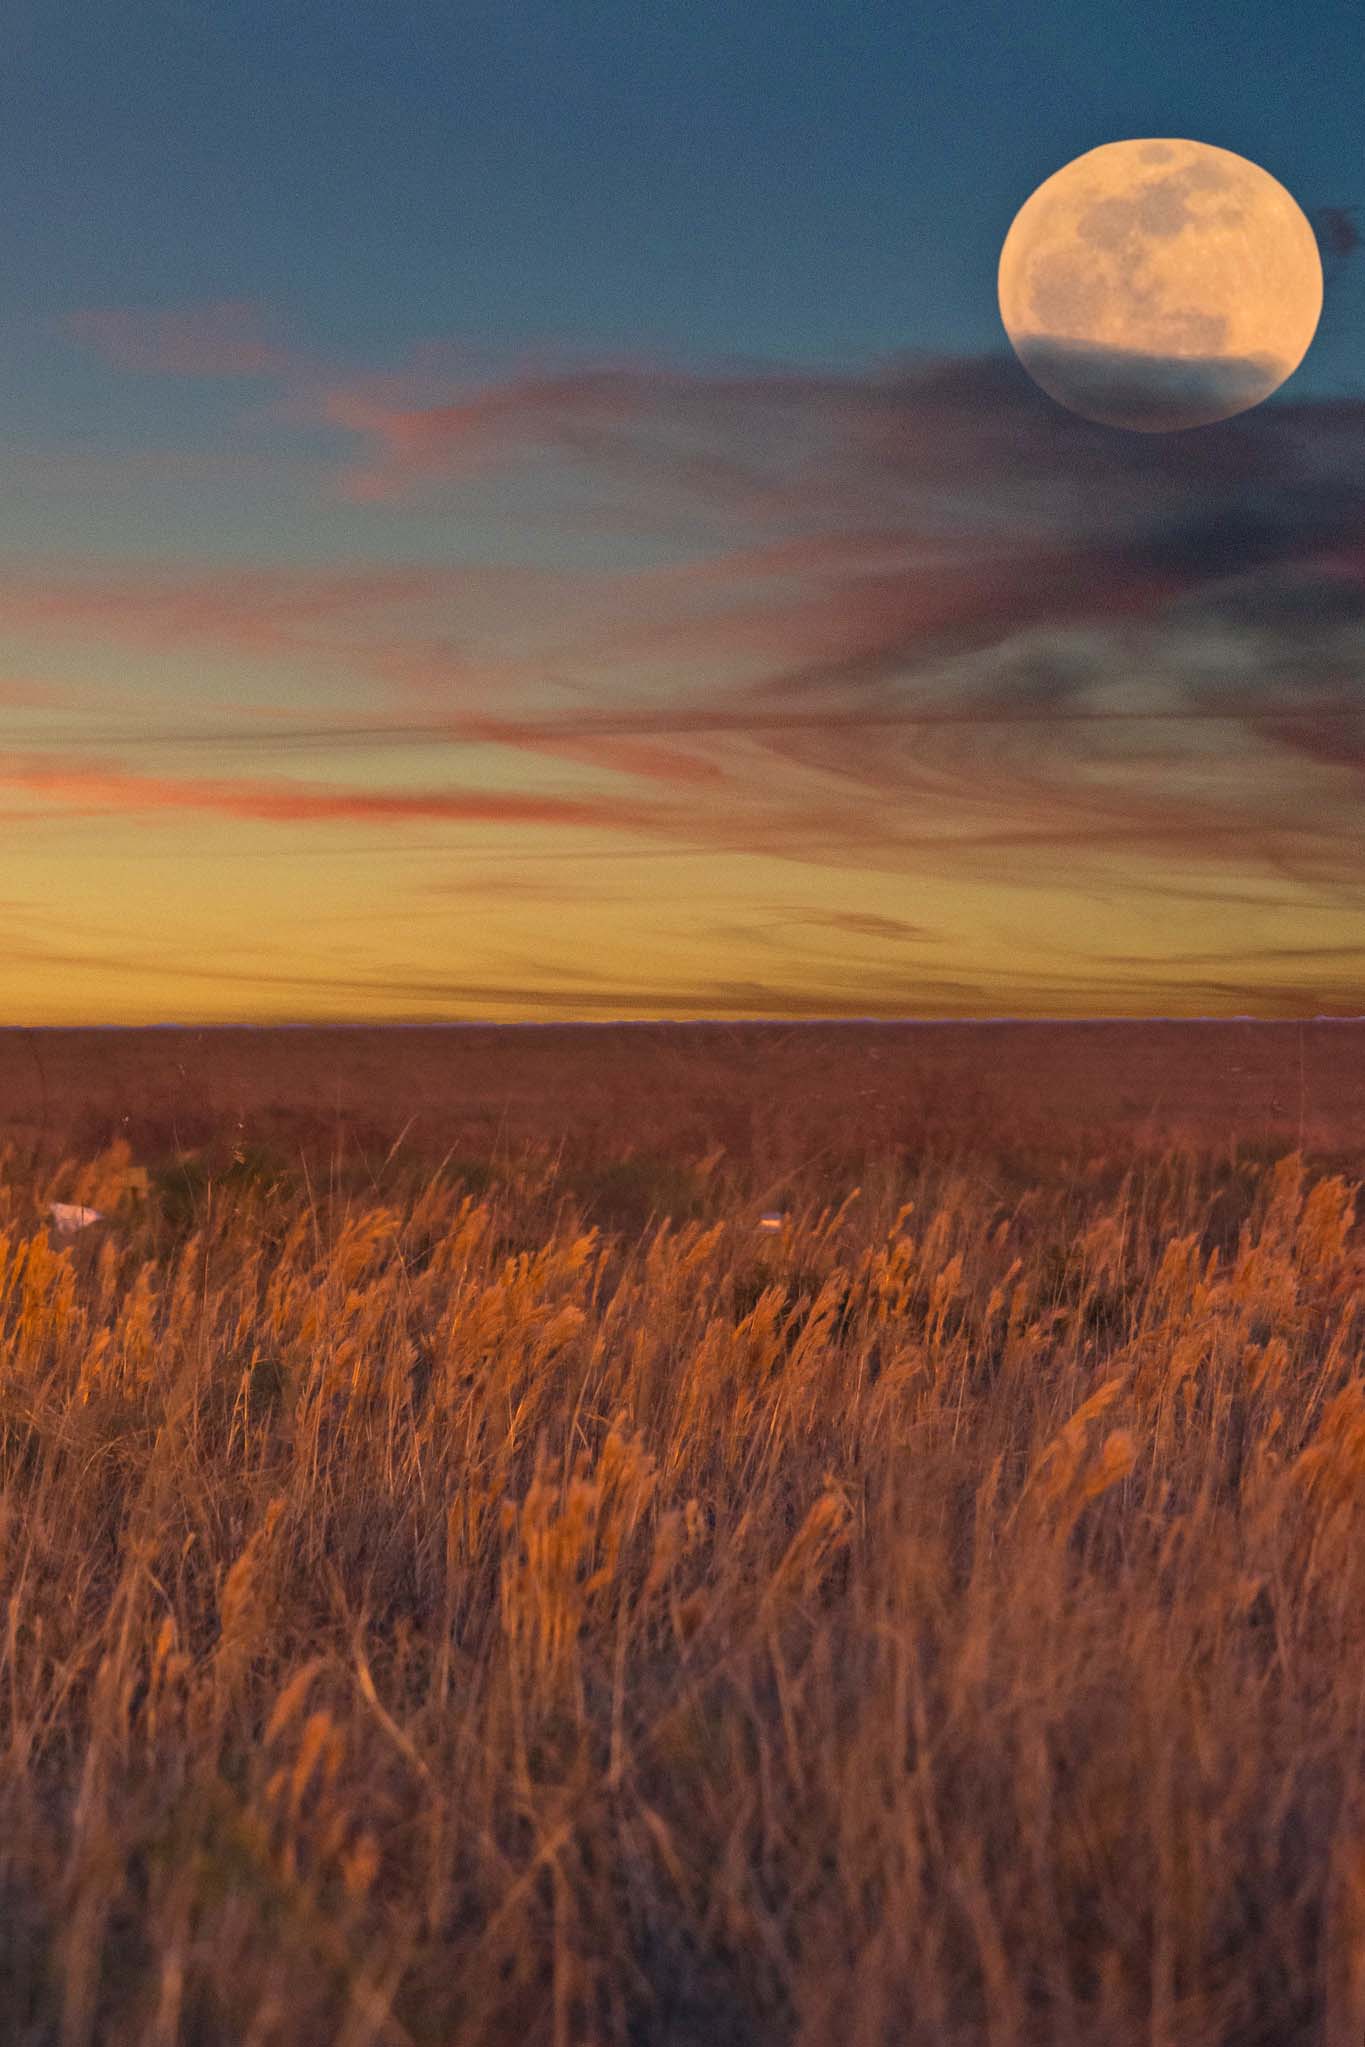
(671, 1022)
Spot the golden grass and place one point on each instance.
(425, 1617)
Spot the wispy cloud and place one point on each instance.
(928, 625)
(20, 692)
(100, 788)
(802, 448)
(864, 924)
(177, 607)
(216, 338)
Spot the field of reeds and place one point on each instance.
(504, 1602)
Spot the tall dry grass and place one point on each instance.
(431, 1616)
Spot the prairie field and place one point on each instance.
(722, 1571)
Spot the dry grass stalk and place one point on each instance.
(438, 1618)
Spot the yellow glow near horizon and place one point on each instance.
(116, 921)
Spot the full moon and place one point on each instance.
(1159, 284)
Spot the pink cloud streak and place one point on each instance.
(97, 786)
(218, 338)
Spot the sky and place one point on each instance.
(531, 513)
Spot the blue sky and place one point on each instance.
(794, 180)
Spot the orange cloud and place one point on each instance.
(22, 694)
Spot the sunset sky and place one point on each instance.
(527, 511)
